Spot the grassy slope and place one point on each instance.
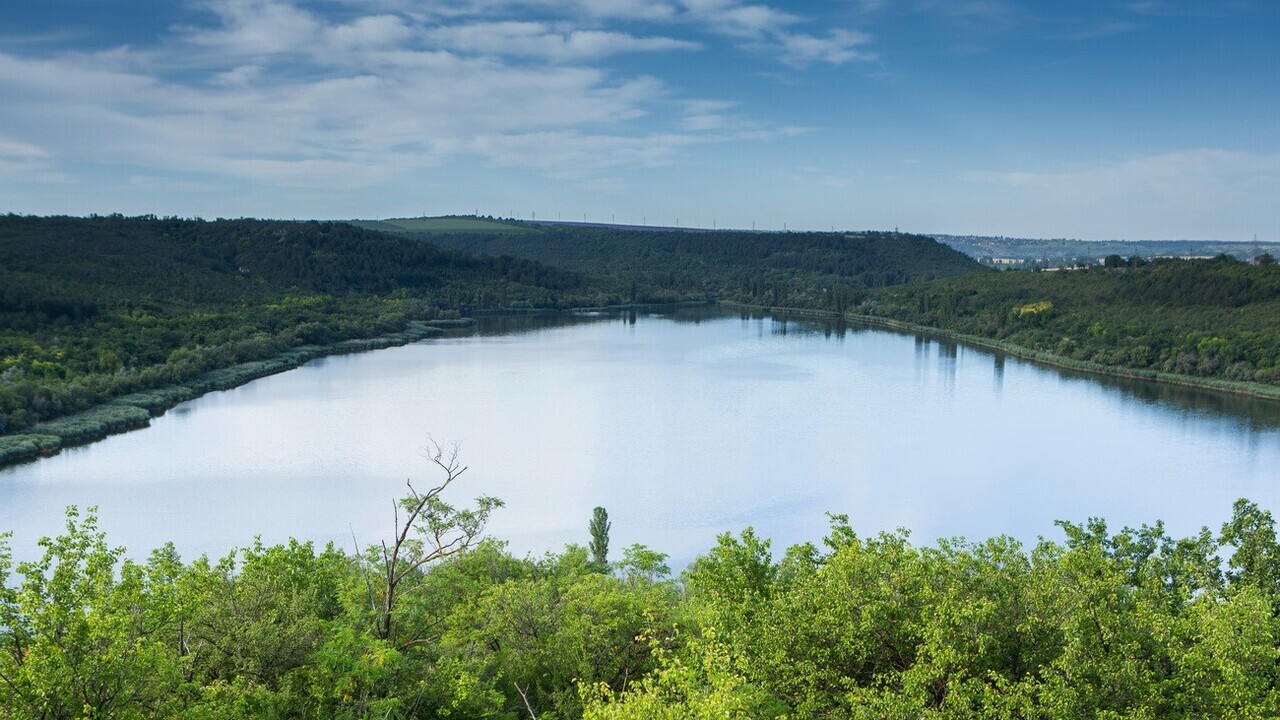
(449, 224)
(1211, 319)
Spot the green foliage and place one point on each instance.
(811, 270)
(599, 530)
(1102, 624)
(155, 311)
(699, 682)
(82, 631)
(1218, 319)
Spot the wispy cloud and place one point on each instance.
(276, 94)
(294, 94)
(835, 48)
(543, 40)
(1176, 194)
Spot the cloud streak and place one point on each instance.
(1177, 194)
(277, 95)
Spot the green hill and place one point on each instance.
(1212, 319)
(94, 308)
(447, 224)
(820, 270)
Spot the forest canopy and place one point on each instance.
(1100, 623)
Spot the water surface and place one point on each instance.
(683, 426)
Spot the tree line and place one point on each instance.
(798, 269)
(1213, 318)
(95, 308)
(437, 622)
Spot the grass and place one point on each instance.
(448, 223)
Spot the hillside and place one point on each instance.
(803, 269)
(1212, 319)
(94, 308)
(447, 223)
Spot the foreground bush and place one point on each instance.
(1101, 624)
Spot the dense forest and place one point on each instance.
(799, 269)
(1210, 319)
(438, 622)
(144, 312)
(98, 308)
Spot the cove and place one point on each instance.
(683, 425)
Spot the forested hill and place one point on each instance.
(800, 269)
(92, 308)
(117, 259)
(1211, 319)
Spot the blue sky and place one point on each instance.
(1094, 119)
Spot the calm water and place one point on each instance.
(682, 426)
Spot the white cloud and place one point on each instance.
(409, 109)
(728, 17)
(1176, 195)
(650, 10)
(15, 150)
(836, 48)
(258, 27)
(541, 40)
(239, 76)
(278, 94)
(373, 31)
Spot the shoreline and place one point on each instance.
(136, 410)
(1253, 390)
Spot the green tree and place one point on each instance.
(1256, 560)
(430, 530)
(599, 546)
(80, 633)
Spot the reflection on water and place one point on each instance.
(683, 425)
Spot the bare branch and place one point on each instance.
(447, 530)
(525, 698)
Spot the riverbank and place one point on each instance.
(1265, 392)
(134, 411)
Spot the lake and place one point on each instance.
(683, 425)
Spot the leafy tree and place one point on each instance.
(1256, 560)
(599, 546)
(81, 632)
(430, 530)
(700, 682)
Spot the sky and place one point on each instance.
(1093, 119)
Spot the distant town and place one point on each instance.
(1059, 253)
